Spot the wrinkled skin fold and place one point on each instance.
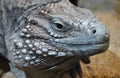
(51, 36)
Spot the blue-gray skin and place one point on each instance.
(46, 38)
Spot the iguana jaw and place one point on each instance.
(84, 49)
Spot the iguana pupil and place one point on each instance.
(59, 26)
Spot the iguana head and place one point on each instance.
(48, 34)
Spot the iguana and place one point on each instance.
(46, 38)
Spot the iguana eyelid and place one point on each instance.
(57, 20)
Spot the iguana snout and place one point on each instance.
(87, 38)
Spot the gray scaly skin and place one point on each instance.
(46, 38)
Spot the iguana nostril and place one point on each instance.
(94, 31)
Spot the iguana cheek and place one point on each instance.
(30, 53)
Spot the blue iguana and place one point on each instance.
(46, 38)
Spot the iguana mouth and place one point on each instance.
(80, 49)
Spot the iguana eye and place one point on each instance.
(59, 26)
